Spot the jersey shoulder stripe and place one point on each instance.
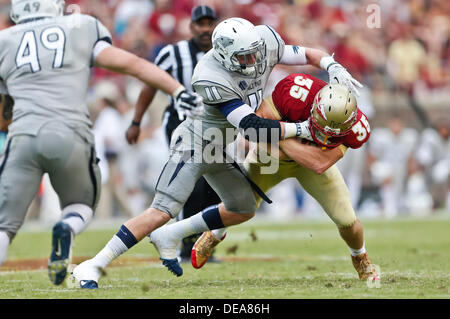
(100, 36)
(277, 39)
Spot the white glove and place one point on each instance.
(338, 74)
(187, 103)
(304, 132)
(299, 129)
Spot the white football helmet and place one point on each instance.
(239, 47)
(30, 9)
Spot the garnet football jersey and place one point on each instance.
(294, 96)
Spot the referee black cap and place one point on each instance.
(201, 12)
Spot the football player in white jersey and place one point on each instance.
(45, 62)
(230, 79)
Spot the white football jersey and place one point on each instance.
(45, 65)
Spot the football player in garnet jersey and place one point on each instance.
(330, 113)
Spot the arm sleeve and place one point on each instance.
(242, 116)
(98, 48)
(102, 40)
(294, 55)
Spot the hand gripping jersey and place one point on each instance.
(45, 66)
(293, 98)
(217, 85)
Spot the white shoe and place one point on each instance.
(166, 245)
(87, 274)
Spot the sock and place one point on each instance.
(207, 219)
(356, 252)
(4, 244)
(77, 216)
(120, 243)
(212, 217)
(219, 233)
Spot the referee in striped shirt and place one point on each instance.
(179, 60)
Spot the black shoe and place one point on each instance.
(61, 254)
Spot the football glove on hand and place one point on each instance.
(299, 129)
(303, 130)
(338, 74)
(188, 104)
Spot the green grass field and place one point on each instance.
(299, 259)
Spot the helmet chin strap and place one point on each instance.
(325, 142)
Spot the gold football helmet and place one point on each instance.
(333, 114)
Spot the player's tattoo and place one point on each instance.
(8, 104)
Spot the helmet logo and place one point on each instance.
(320, 108)
(351, 117)
(225, 41)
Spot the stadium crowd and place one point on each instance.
(400, 51)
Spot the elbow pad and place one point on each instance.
(257, 129)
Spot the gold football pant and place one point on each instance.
(329, 188)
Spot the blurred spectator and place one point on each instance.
(389, 151)
(110, 143)
(406, 56)
(418, 200)
(128, 10)
(433, 153)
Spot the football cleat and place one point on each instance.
(173, 266)
(88, 284)
(87, 275)
(61, 254)
(364, 267)
(167, 249)
(203, 248)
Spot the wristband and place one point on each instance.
(178, 91)
(135, 123)
(290, 130)
(326, 62)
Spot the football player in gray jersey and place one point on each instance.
(45, 62)
(230, 78)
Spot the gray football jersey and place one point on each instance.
(217, 85)
(45, 66)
